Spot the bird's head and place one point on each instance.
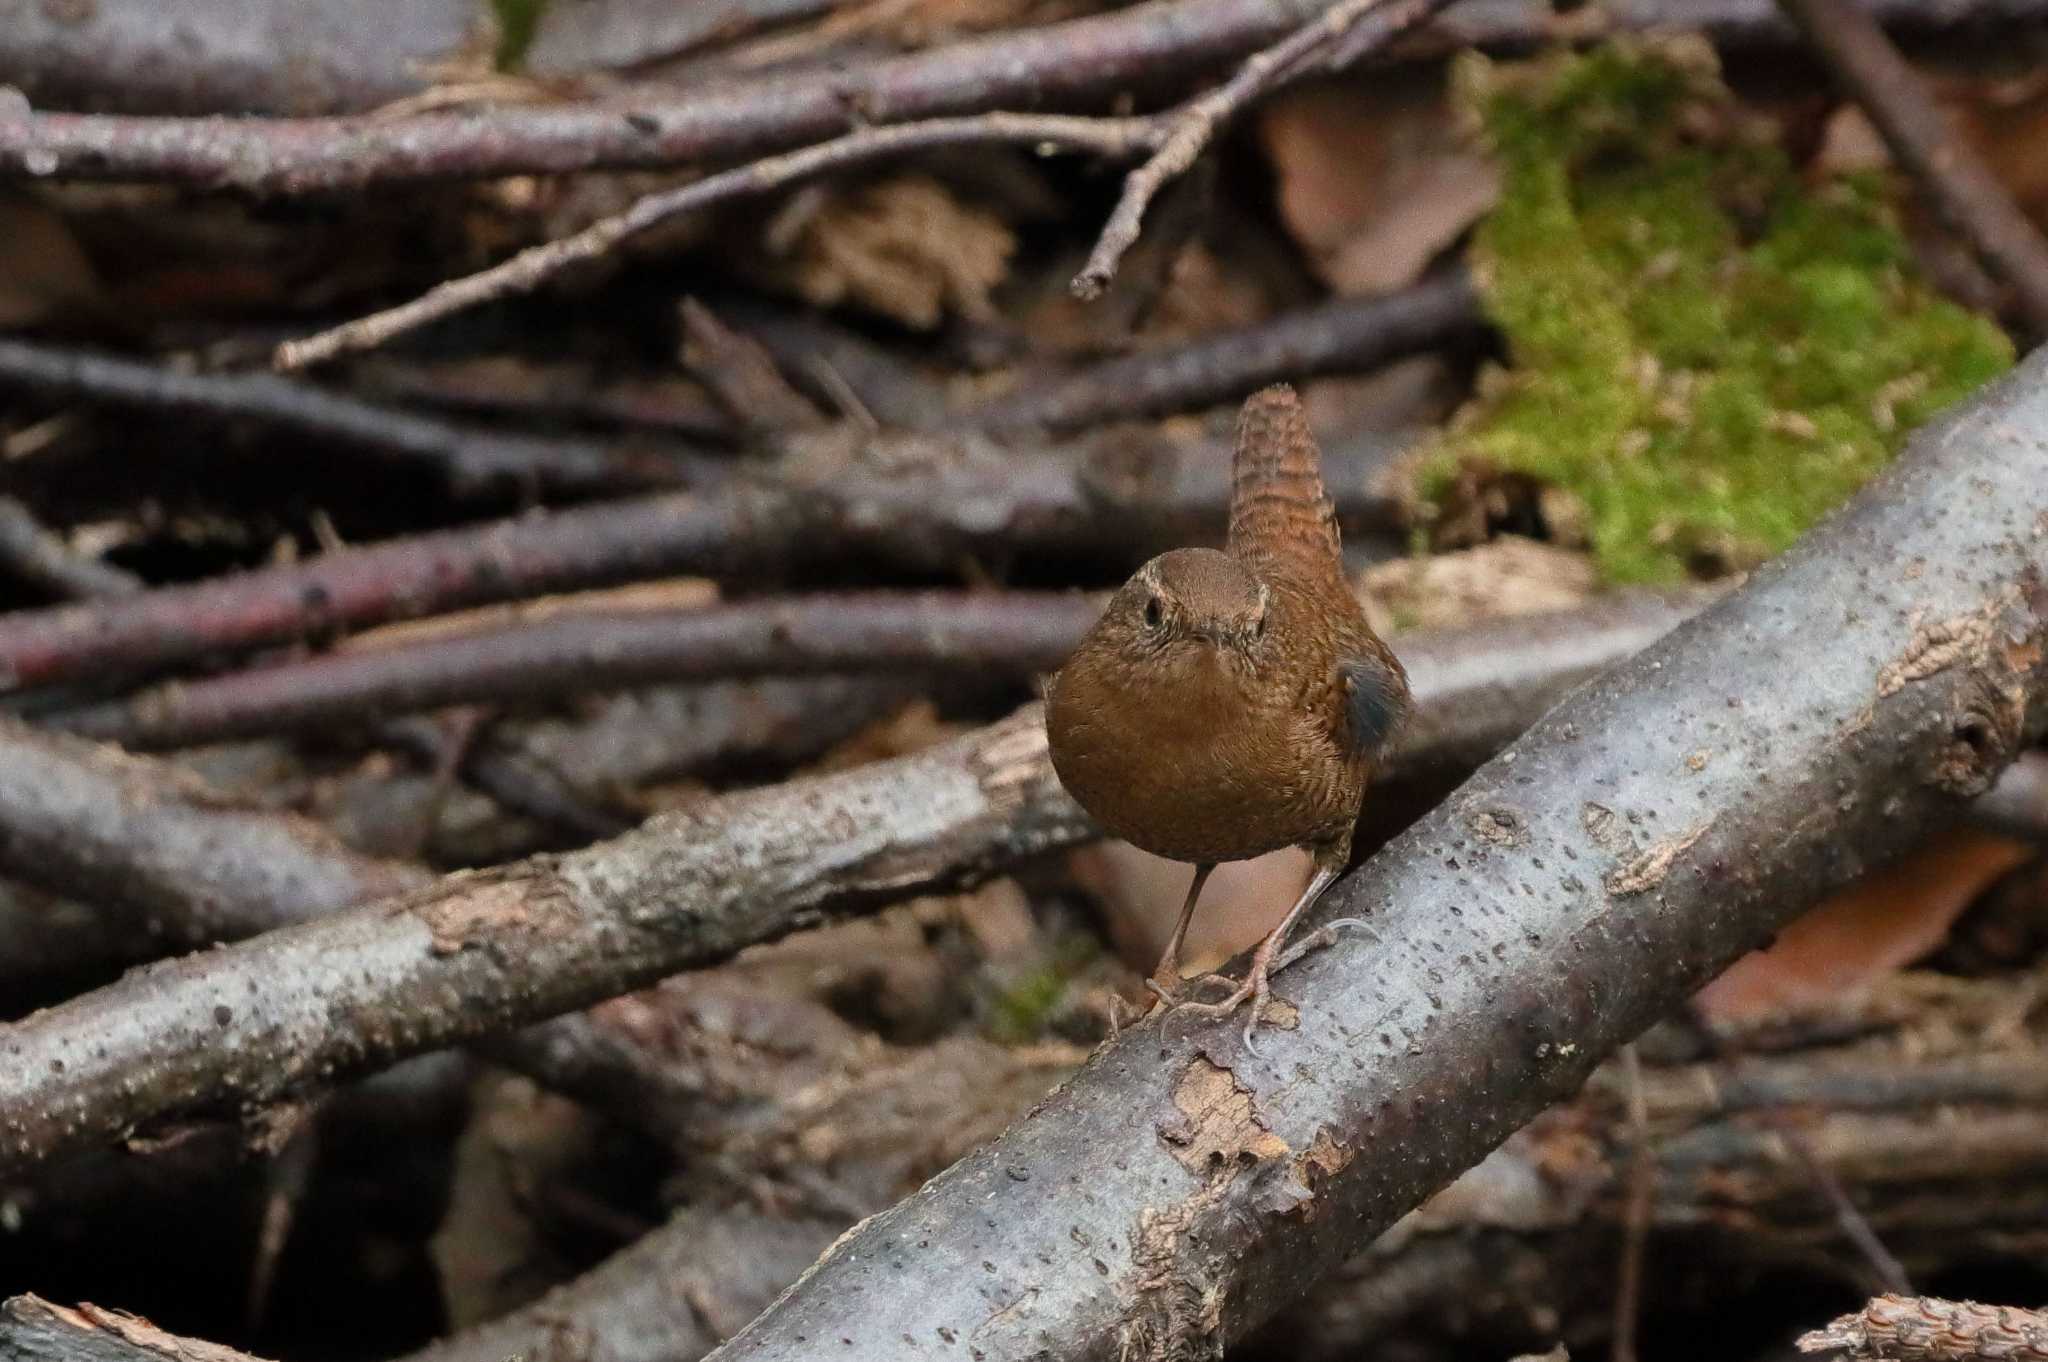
(1184, 603)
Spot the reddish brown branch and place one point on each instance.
(1004, 633)
(1959, 182)
(927, 501)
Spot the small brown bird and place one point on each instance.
(1230, 704)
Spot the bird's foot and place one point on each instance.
(1257, 987)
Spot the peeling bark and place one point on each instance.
(1495, 976)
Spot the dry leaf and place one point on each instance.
(1509, 576)
(1375, 180)
(1877, 925)
(904, 248)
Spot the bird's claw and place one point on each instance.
(1325, 935)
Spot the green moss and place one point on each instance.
(517, 20)
(1023, 1010)
(1706, 351)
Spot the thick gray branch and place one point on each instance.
(1658, 823)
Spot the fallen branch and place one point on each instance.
(1004, 633)
(161, 850)
(1865, 1104)
(1928, 1329)
(33, 1330)
(1664, 819)
(1344, 335)
(307, 1004)
(472, 461)
(32, 554)
(929, 501)
(1083, 62)
(1956, 179)
(1342, 33)
(227, 57)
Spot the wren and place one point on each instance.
(1231, 703)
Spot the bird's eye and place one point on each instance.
(1155, 613)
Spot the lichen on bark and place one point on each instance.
(1705, 347)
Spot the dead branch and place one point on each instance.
(33, 1330)
(1958, 181)
(1864, 1104)
(32, 554)
(927, 501)
(1083, 62)
(1344, 335)
(210, 56)
(1013, 633)
(1659, 822)
(1342, 33)
(309, 1003)
(188, 867)
(1928, 1329)
(534, 266)
(473, 461)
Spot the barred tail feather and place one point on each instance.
(1278, 511)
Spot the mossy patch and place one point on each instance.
(517, 20)
(1707, 352)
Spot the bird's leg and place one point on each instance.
(1258, 981)
(1165, 980)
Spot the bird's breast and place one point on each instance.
(1210, 762)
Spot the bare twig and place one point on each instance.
(474, 461)
(1335, 34)
(1570, 893)
(526, 271)
(1344, 335)
(1929, 1329)
(33, 554)
(1961, 185)
(929, 501)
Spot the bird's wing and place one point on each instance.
(1279, 515)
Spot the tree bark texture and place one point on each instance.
(1660, 822)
